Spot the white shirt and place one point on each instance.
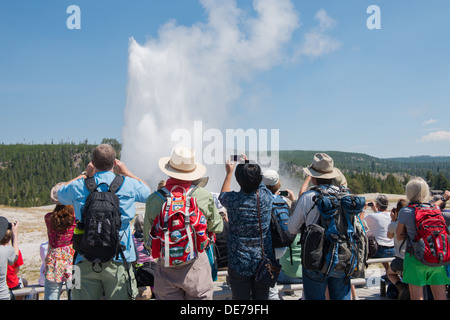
(378, 223)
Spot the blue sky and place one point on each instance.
(381, 92)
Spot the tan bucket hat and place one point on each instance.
(181, 165)
(322, 167)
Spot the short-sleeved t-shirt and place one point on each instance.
(244, 241)
(7, 257)
(378, 223)
(400, 245)
(11, 277)
(130, 192)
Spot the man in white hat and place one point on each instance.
(193, 280)
(322, 174)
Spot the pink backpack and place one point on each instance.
(179, 232)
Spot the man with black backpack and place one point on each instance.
(104, 199)
(333, 247)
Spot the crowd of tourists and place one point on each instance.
(261, 234)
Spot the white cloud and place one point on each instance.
(428, 122)
(317, 43)
(436, 136)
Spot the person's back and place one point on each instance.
(103, 169)
(291, 263)
(191, 280)
(378, 223)
(7, 257)
(416, 273)
(8, 254)
(306, 213)
(244, 235)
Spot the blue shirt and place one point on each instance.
(244, 242)
(131, 191)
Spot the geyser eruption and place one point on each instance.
(194, 73)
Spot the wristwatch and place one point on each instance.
(443, 199)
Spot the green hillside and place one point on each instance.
(367, 174)
(27, 172)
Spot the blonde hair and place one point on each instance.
(417, 190)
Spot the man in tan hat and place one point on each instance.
(192, 280)
(322, 173)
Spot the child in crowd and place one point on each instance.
(12, 277)
(58, 261)
(8, 255)
(396, 265)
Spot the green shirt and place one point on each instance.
(294, 269)
(205, 203)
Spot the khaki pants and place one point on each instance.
(191, 281)
(110, 282)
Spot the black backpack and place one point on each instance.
(101, 223)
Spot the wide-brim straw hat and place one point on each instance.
(181, 165)
(322, 167)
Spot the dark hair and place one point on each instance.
(248, 176)
(62, 217)
(104, 157)
(6, 238)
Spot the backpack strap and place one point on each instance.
(163, 193)
(90, 184)
(191, 190)
(116, 183)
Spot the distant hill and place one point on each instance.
(370, 174)
(359, 162)
(27, 172)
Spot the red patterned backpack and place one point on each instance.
(179, 232)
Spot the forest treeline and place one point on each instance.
(367, 174)
(28, 171)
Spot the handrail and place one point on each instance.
(221, 289)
